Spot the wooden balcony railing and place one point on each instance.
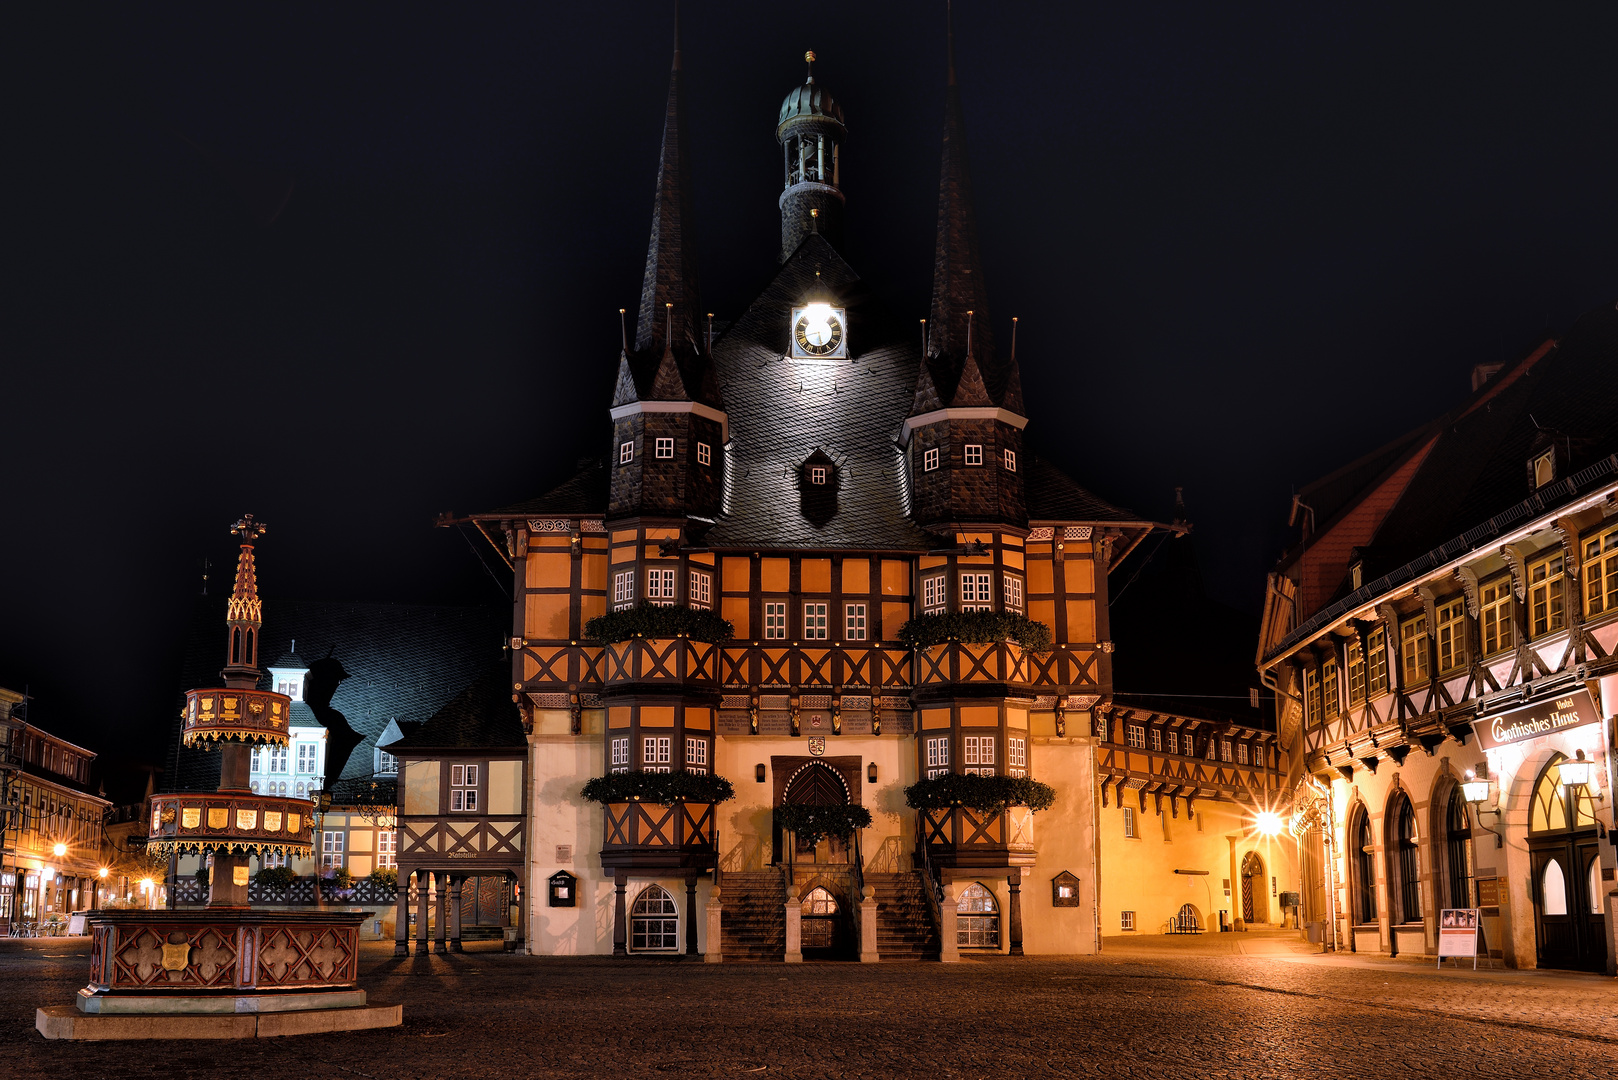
(649, 836)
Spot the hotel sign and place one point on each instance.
(1561, 713)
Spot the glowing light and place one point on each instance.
(1575, 773)
(1268, 822)
(1474, 790)
(103, 872)
(146, 884)
(817, 328)
(60, 850)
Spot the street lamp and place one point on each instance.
(59, 850)
(1575, 772)
(95, 892)
(1475, 790)
(1269, 823)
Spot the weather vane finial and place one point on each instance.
(809, 58)
(248, 529)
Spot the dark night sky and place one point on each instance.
(1245, 246)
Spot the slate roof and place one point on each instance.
(585, 492)
(1053, 496)
(386, 661)
(481, 716)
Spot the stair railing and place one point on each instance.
(716, 856)
(932, 887)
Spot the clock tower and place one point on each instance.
(811, 133)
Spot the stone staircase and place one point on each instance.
(904, 923)
(753, 924)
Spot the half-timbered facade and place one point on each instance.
(818, 472)
(1448, 616)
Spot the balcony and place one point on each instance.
(959, 836)
(651, 836)
(657, 664)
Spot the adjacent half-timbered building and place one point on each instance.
(819, 472)
(1442, 639)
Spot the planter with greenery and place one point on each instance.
(658, 621)
(811, 824)
(384, 876)
(976, 627)
(984, 794)
(275, 877)
(662, 788)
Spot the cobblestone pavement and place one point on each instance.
(1224, 1008)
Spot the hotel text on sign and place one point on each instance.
(1561, 713)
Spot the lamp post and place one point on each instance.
(95, 890)
(322, 801)
(1475, 790)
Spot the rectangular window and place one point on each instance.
(660, 586)
(1010, 458)
(1413, 649)
(814, 622)
(701, 589)
(620, 755)
(664, 448)
(1376, 665)
(975, 594)
(1241, 753)
(1126, 919)
(929, 460)
(775, 621)
(386, 763)
(704, 454)
(1328, 688)
(655, 753)
(1356, 674)
(258, 759)
(1224, 749)
(1496, 617)
(1545, 604)
(974, 454)
(1156, 737)
(387, 848)
(1451, 635)
(853, 622)
(1213, 748)
(937, 755)
(463, 788)
(331, 850)
(278, 759)
(1129, 831)
(1311, 695)
(1017, 756)
(1174, 743)
(1601, 573)
(306, 757)
(817, 474)
(623, 589)
(1136, 735)
(1011, 586)
(626, 453)
(932, 593)
(1258, 754)
(696, 755)
(978, 755)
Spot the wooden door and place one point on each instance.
(1592, 899)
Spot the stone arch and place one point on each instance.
(1359, 834)
(1402, 839)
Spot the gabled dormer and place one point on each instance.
(289, 675)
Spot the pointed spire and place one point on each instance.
(244, 615)
(671, 264)
(1011, 392)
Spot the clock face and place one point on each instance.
(817, 330)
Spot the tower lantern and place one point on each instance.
(811, 133)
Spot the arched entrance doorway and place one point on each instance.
(816, 784)
(821, 925)
(1564, 859)
(1255, 894)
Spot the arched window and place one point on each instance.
(819, 902)
(1364, 870)
(1406, 860)
(977, 919)
(236, 646)
(1556, 808)
(1187, 921)
(1457, 850)
(654, 922)
(248, 655)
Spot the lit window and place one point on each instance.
(664, 448)
(854, 622)
(1156, 738)
(623, 589)
(620, 755)
(1376, 667)
(1356, 674)
(1135, 734)
(660, 586)
(1126, 920)
(977, 755)
(775, 621)
(1174, 742)
(1017, 756)
(1328, 687)
(1224, 749)
(975, 595)
(701, 589)
(1241, 753)
(307, 757)
(654, 756)
(386, 763)
(817, 474)
(1496, 617)
(1413, 649)
(654, 924)
(1545, 603)
(974, 454)
(1010, 458)
(626, 453)
(1011, 585)
(932, 593)
(387, 848)
(331, 850)
(1601, 573)
(696, 755)
(814, 622)
(463, 788)
(1544, 468)
(977, 920)
(704, 454)
(1129, 822)
(929, 460)
(937, 756)
(1452, 635)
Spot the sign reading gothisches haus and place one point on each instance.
(1561, 713)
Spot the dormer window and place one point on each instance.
(1544, 467)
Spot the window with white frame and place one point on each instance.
(975, 594)
(932, 593)
(1545, 604)
(814, 622)
(619, 754)
(626, 453)
(278, 759)
(1329, 700)
(1155, 737)
(696, 755)
(817, 474)
(1135, 735)
(775, 620)
(660, 586)
(1495, 616)
(1224, 749)
(704, 454)
(463, 788)
(701, 589)
(258, 759)
(1356, 673)
(1010, 459)
(937, 755)
(1126, 920)
(1129, 822)
(974, 454)
(929, 460)
(655, 753)
(1311, 695)
(1451, 635)
(307, 756)
(386, 763)
(1241, 753)
(1413, 649)
(1017, 755)
(1011, 589)
(977, 754)
(387, 848)
(853, 622)
(1174, 742)
(1601, 572)
(663, 448)
(1376, 663)
(331, 850)
(623, 589)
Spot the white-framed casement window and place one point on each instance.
(623, 589)
(975, 594)
(626, 453)
(1356, 674)
(1011, 590)
(654, 922)
(387, 848)
(977, 755)
(663, 447)
(1126, 920)
(929, 460)
(1213, 748)
(1311, 695)
(701, 589)
(1601, 573)
(258, 759)
(937, 755)
(775, 620)
(660, 586)
(1017, 755)
(853, 622)
(704, 454)
(932, 593)
(1135, 735)
(1174, 742)
(278, 759)
(1494, 616)
(1129, 822)
(974, 454)
(331, 850)
(814, 622)
(307, 757)
(1451, 635)
(1155, 737)
(654, 753)
(386, 763)
(619, 754)
(817, 474)
(1376, 663)
(1413, 649)
(463, 789)
(1010, 459)
(1546, 612)
(1224, 749)
(1241, 753)
(696, 754)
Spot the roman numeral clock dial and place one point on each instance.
(818, 332)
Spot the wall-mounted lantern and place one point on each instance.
(758, 772)
(870, 773)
